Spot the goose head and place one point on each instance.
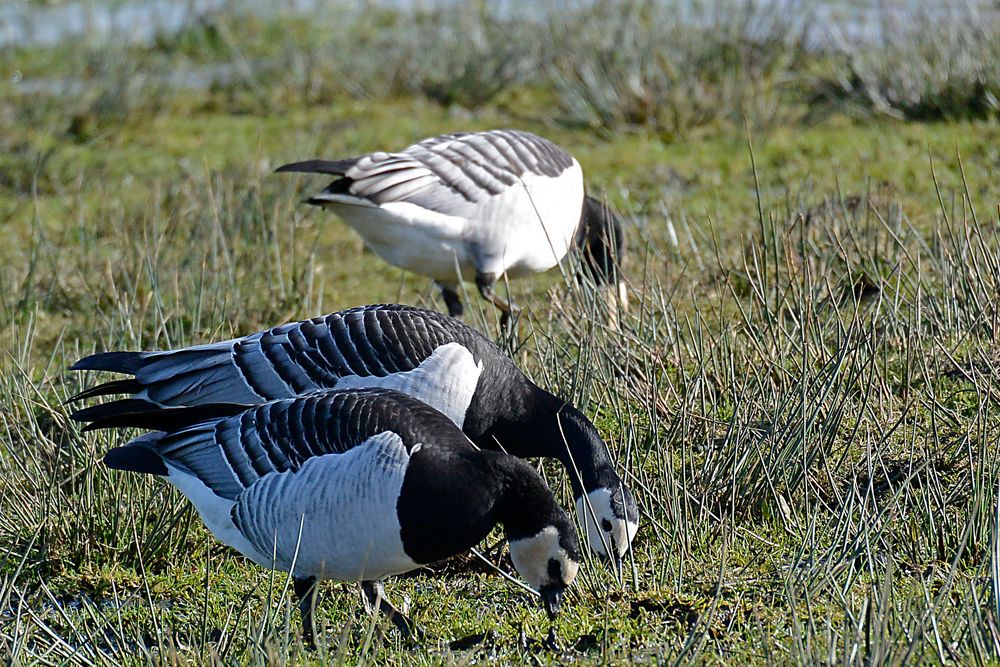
(610, 517)
(548, 561)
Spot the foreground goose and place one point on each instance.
(351, 485)
(473, 206)
(425, 354)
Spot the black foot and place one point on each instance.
(510, 316)
(551, 642)
(485, 282)
(452, 301)
(305, 591)
(374, 595)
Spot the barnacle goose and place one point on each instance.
(425, 354)
(353, 485)
(473, 206)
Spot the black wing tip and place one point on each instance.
(136, 458)
(97, 414)
(334, 167)
(115, 362)
(129, 386)
(292, 167)
(135, 413)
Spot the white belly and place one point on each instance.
(412, 238)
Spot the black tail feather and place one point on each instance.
(156, 418)
(128, 386)
(335, 167)
(116, 362)
(135, 458)
(112, 408)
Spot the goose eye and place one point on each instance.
(606, 525)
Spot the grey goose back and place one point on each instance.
(473, 206)
(435, 358)
(353, 485)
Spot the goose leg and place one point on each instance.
(452, 300)
(375, 598)
(485, 282)
(305, 591)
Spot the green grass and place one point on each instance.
(803, 397)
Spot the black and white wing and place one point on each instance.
(411, 350)
(450, 174)
(230, 447)
(286, 481)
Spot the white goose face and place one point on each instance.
(605, 529)
(545, 565)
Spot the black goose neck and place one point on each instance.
(541, 424)
(601, 241)
(525, 505)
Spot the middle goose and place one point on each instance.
(442, 362)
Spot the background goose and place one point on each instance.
(352, 485)
(437, 359)
(473, 206)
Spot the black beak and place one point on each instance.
(552, 598)
(615, 561)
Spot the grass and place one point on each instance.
(803, 397)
